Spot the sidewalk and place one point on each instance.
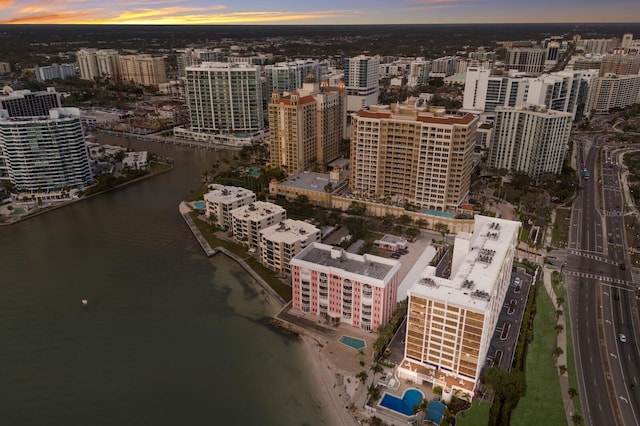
(561, 342)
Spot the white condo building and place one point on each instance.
(530, 139)
(290, 76)
(362, 80)
(616, 91)
(450, 321)
(281, 242)
(44, 153)
(419, 72)
(53, 71)
(224, 98)
(247, 221)
(221, 200)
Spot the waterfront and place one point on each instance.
(170, 337)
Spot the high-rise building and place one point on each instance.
(530, 59)
(24, 103)
(359, 290)
(55, 71)
(94, 63)
(450, 321)
(444, 67)
(290, 76)
(362, 79)
(87, 64)
(616, 91)
(530, 139)
(189, 57)
(419, 72)
(44, 153)
(627, 41)
(146, 70)
(600, 46)
(410, 154)
(306, 127)
(224, 98)
(559, 91)
(620, 65)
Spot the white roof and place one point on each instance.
(473, 283)
(289, 231)
(226, 194)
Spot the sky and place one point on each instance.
(314, 12)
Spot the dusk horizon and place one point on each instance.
(404, 12)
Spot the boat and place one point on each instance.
(85, 303)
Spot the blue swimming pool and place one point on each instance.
(200, 205)
(404, 405)
(356, 344)
(437, 213)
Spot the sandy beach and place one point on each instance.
(326, 384)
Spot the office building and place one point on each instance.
(50, 72)
(145, 70)
(404, 153)
(306, 127)
(530, 60)
(24, 103)
(279, 243)
(530, 139)
(362, 76)
(247, 221)
(224, 98)
(44, 153)
(221, 199)
(450, 321)
(358, 290)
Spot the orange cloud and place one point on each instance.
(48, 18)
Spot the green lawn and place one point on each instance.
(542, 405)
(571, 365)
(560, 233)
(477, 415)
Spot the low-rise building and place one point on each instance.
(359, 290)
(247, 221)
(391, 243)
(136, 160)
(221, 200)
(281, 242)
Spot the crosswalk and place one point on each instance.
(589, 255)
(598, 277)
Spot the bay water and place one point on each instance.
(170, 337)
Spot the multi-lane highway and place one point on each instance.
(601, 296)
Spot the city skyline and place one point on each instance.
(332, 12)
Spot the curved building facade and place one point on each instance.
(45, 153)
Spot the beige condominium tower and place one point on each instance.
(407, 154)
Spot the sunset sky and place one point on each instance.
(307, 12)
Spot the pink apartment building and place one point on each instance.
(359, 290)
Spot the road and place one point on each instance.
(601, 298)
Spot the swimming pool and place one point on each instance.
(352, 342)
(404, 405)
(437, 213)
(200, 205)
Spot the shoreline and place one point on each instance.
(326, 382)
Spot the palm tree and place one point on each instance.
(363, 376)
(376, 369)
(576, 419)
(572, 393)
(421, 407)
(559, 301)
(558, 328)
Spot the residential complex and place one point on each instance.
(44, 153)
(25, 103)
(306, 127)
(450, 321)
(359, 290)
(361, 77)
(98, 63)
(224, 98)
(620, 65)
(145, 70)
(616, 91)
(530, 139)
(525, 59)
(290, 76)
(279, 243)
(247, 221)
(409, 154)
(220, 200)
(54, 71)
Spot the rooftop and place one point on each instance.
(472, 282)
(226, 194)
(370, 266)
(289, 231)
(311, 181)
